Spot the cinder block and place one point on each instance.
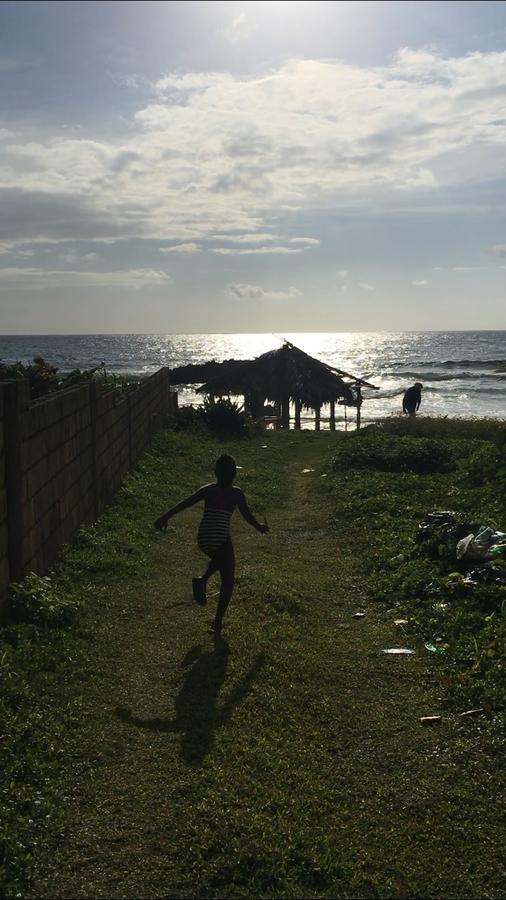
(44, 499)
(27, 516)
(4, 579)
(4, 539)
(30, 546)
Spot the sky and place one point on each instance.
(176, 167)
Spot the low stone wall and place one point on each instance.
(62, 459)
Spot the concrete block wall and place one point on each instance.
(4, 549)
(62, 459)
(57, 467)
(111, 445)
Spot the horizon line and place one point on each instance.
(230, 333)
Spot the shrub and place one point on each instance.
(483, 465)
(492, 430)
(189, 418)
(372, 449)
(43, 377)
(37, 600)
(224, 418)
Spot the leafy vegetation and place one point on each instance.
(425, 582)
(220, 417)
(43, 377)
(371, 449)
(38, 599)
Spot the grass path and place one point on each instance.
(290, 763)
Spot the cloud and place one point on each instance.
(71, 257)
(499, 249)
(465, 268)
(344, 289)
(258, 238)
(366, 286)
(181, 248)
(255, 292)
(251, 251)
(310, 242)
(238, 29)
(35, 215)
(213, 148)
(42, 279)
(343, 273)
(192, 81)
(419, 282)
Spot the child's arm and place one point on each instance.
(162, 520)
(248, 515)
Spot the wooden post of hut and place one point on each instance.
(285, 412)
(256, 405)
(298, 409)
(359, 404)
(317, 417)
(332, 420)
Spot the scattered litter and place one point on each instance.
(449, 536)
(398, 559)
(443, 526)
(484, 545)
(305, 471)
(472, 549)
(487, 574)
(432, 647)
(359, 615)
(398, 651)
(401, 621)
(471, 712)
(430, 720)
(264, 446)
(238, 467)
(324, 475)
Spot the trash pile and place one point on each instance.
(467, 542)
(444, 526)
(486, 544)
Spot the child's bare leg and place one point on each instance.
(227, 570)
(211, 568)
(225, 597)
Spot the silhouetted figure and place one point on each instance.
(412, 399)
(201, 708)
(220, 500)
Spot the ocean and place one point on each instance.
(456, 368)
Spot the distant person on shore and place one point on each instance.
(412, 399)
(220, 500)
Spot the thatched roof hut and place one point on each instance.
(283, 376)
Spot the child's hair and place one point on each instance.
(225, 469)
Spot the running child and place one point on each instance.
(220, 500)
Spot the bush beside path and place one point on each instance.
(290, 760)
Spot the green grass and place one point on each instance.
(289, 761)
(411, 469)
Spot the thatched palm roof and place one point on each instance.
(281, 374)
(276, 375)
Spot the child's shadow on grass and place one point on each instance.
(197, 714)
